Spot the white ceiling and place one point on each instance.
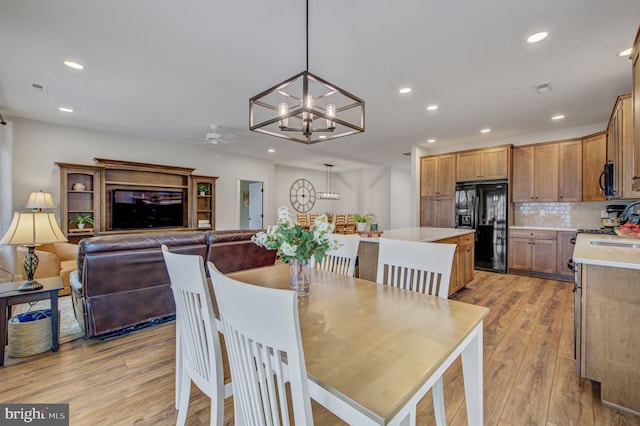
(164, 68)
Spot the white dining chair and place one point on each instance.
(343, 259)
(424, 268)
(261, 329)
(198, 351)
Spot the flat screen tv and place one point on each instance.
(146, 209)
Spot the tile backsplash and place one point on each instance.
(561, 215)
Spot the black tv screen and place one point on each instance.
(146, 209)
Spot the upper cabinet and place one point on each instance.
(438, 175)
(547, 172)
(483, 164)
(594, 155)
(635, 177)
(620, 147)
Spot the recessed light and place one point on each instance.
(63, 109)
(322, 137)
(625, 52)
(557, 117)
(537, 37)
(485, 130)
(432, 107)
(271, 150)
(431, 140)
(405, 90)
(74, 65)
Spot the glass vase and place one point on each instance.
(300, 276)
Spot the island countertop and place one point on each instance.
(424, 234)
(625, 256)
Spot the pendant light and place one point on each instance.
(306, 108)
(328, 194)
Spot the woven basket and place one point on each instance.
(28, 338)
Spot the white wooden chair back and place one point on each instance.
(261, 326)
(343, 259)
(198, 354)
(415, 265)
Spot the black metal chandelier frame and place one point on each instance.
(339, 119)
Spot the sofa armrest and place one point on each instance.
(65, 251)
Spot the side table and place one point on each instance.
(9, 296)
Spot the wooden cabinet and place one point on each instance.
(620, 147)
(92, 189)
(532, 251)
(437, 190)
(463, 261)
(607, 337)
(437, 212)
(483, 164)
(437, 175)
(570, 171)
(565, 253)
(635, 58)
(535, 173)
(594, 155)
(80, 196)
(204, 202)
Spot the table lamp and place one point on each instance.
(30, 229)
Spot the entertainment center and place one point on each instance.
(115, 196)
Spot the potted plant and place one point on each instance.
(363, 222)
(81, 219)
(203, 189)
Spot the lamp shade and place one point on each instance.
(33, 228)
(40, 200)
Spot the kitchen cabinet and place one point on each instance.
(483, 164)
(594, 155)
(620, 147)
(635, 58)
(565, 253)
(607, 338)
(535, 173)
(570, 170)
(437, 176)
(79, 195)
(463, 261)
(437, 190)
(437, 212)
(532, 251)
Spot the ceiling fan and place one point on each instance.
(215, 137)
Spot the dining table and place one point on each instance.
(373, 351)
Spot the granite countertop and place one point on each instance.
(606, 255)
(548, 228)
(420, 234)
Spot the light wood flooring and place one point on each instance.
(529, 371)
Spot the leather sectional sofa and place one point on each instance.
(122, 280)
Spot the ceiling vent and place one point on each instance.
(543, 87)
(407, 154)
(40, 88)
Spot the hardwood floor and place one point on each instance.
(529, 371)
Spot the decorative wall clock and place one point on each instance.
(302, 195)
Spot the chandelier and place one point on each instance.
(328, 194)
(306, 108)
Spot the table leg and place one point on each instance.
(3, 329)
(55, 327)
(472, 370)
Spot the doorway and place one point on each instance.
(250, 204)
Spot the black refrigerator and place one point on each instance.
(483, 206)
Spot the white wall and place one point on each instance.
(37, 145)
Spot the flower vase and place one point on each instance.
(299, 276)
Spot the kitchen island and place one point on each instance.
(463, 266)
(607, 314)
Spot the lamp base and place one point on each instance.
(30, 285)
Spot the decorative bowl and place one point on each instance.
(628, 231)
